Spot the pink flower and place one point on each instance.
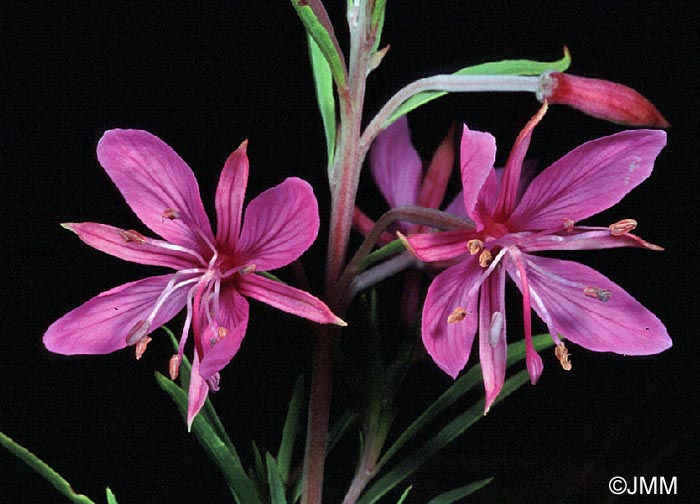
(573, 300)
(214, 273)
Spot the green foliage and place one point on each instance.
(460, 493)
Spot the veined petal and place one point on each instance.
(111, 240)
(197, 394)
(288, 299)
(229, 197)
(588, 179)
(592, 311)
(450, 316)
(581, 238)
(477, 155)
(442, 246)
(279, 225)
(492, 335)
(486, 201)
(432, 190)
(220, 348)
(157, 184)
(395, 165)
(101, 325)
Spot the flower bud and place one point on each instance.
(600, 98)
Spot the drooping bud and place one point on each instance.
(174, 366)
(457, 315)
(562, 353)
(601, 99)
(622, 227)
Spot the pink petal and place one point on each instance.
(432, 190)
(440, 246)
(233, 316)
(456, 206)
(492, 335)
(613, 321)
(279, 225)
(449, 343)
(588, 179)
(229, 196)
(396, 167)
(477, 155)
(486, 202)
(157, 184)
(197, 394)
(111, 240)
(583, 238)
(101, 325)
(288, 299)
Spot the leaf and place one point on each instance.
(323, 36)
(290, 430)
(404, 495)
(377, 22)
(111, 499)
(459, 493)
(274, 480)
(505, 67)
(449, 433)
(228, 462)
(323, 83)
(44, 470)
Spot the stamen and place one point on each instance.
(170, 288)
(603, 295)
(496, 328)
(132, 236)
(138, 332)
(141, 346)
(622, 227)
(221, 333)
(563, 355)
(171, 213)
(568, 225)
(457, 315)
(247, 269)
(174, 366)
(485, 258)
(475, 246)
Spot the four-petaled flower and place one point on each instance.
(573, 300)
(213, 272)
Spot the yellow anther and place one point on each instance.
(485, 258)
(475, 246)
(457, 315)
(563, 355)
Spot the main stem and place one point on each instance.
(344, 181)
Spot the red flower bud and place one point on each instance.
(602, 99)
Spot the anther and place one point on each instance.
(622, 227)
(171, 213)
(603, 295)
(132, 236)
(496, 328)
(138, 332)
(475, 246)
(485, 258)
(141, 346)
(247, 269)
(568, 225)
(174, 366)
(457, 315)
(562, 353)
(221, 333)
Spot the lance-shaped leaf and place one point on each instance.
(111, 499)
(274, 480)
(460, 493)
(505, 67)
(290, 429)
(323, 83)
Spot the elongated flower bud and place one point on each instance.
(600, 98)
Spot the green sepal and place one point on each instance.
(44, 470)
(323, 84)
(505, 67)
(460, 493)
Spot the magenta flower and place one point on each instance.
(573, 300)
(214, 273)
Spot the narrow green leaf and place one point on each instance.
(323, 83)
(111, 499)
(274, 480)
(259, 471)
(505, 67)
(44, 470)
(404, 495)
(241, 486)
(325, 41)
(377, 22)
(391, 248)
(269, 276)
(290, 430)
(449, 433)
(462, 385)
(460, 493)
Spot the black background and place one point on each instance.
(205, 76)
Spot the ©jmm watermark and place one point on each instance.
(641, 485)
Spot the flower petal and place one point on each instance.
(449, 342)
(101, 325)
(229, 196)
(395, 165)
(279, 225)
(157, 184)
(197, 394)
(112, 241)
(432, 190)
(588, 179)
(442, 246)
(477, 155)
(590, 310)
(233, 317)
(288, 299)
(492, 335)
(582, 238)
